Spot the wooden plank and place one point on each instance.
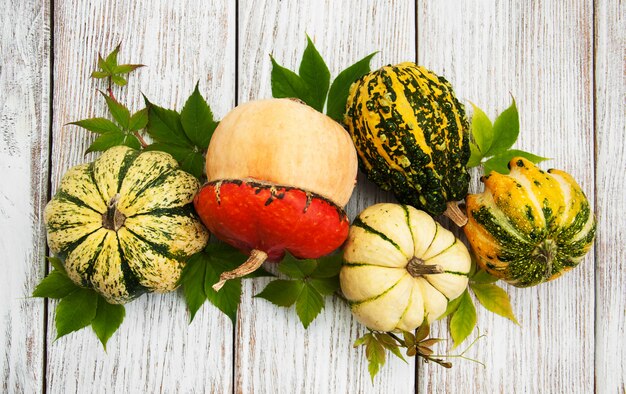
(541, 53)
(610, 116)
(274, 353)
(181, 42)
(24, 147)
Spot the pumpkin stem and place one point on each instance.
(113, 219)
(257, 257)
(417, 268)
(455, 214)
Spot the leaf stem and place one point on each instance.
(141, 140)
(110, 90)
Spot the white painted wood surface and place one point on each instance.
(565, 69)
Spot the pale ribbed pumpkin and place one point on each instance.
(530, 226)
(124, 224)
(401, 268)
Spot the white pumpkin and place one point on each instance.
(401, 268)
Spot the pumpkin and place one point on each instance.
(530, 226)
(411, 135)
(401, 268)
(279, 174)
(124, 224)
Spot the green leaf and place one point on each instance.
(390, 344)
(287, 84)
(362, 340)
(314, 72)
(500, 162)
(483, 277)
(282, 292)
(463, 320)
(120, 113)
(505, 131)
(55, 285)
(452, 307)
(98, 125)
(326, 286)
(75, 311)
(104, 66)
(132, 142)
(119, 81)
(475, 156)
(192, 280)
(375, 354)
(295, 268)
(309, 304)
(197, 120)
(422, 332)
(126, 68)
(482, 129)
(56, 262)
(139, 120)
(108, 319)
(328, 266)
(99, 74)
(339, 90)
(187, 157)
(111, 60)
(495, 299)
(106, 141)
(164, 125)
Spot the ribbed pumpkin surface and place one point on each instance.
(124, 224)
(411, 135)
(530, 226)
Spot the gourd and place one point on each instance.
(411, 135)
(530, 226)
(401, 267)
(279, 173)
(124, 224)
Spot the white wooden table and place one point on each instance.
(564, 62)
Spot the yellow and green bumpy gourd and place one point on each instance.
(530, 226)
(124, 224)
(411, 135)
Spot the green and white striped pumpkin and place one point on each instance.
(401, 268)
(124, 224)
(411, 135)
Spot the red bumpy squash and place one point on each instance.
(279, 174)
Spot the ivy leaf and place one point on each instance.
(104, 66)
(326, 286)
(192, 280)
(375, 354)
(75, 311)
(99, 74)
(328, 266)
(475, 156)
(197, 120)
(463, 320)
(120, 113)
(340, 88)
(297, 269)
(451, 308)
(55, 285)
(108, 319)
(98, 125)
(187, 157)
(482, 129)
(314, 72)
(111, 59)
(495, 299)
(282, 292)
(500, 162)
(119, 81)
(106, 141)
(390, 344)
(139, 120)
(309, 304)
(164, 126)
(56, 263)
(126, 68)
(505, 131)
(287, 84)
(483, 277)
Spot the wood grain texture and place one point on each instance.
(181, 42)
(541, 53)
(24, 131)
(274, 353)
(610, 116)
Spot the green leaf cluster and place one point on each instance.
(491, 142)
(185, 135)
(121, 132)
(79, 307)
(203, 270)
(109, 69)
(312, 83)
(489, 295)
(311, 280)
